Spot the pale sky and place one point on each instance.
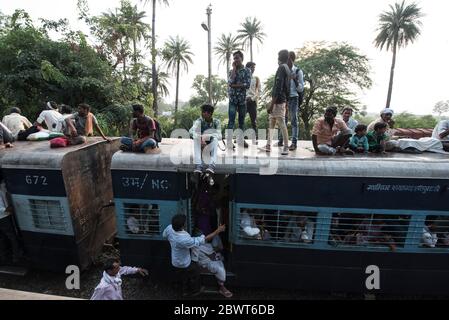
(421, 71)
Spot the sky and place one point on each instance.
(422, 69)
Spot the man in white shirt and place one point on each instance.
(110, 287)
(181, 242)
(441, 133)
(51, 117)
(252, 96)
(15, 122)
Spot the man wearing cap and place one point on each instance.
(441, 133)
(386, 116)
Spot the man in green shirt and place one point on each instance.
(377, 138)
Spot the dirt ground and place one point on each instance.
(149, 289)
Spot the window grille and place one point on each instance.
(142, 219)
(434, 234)
(276, 226)
(369, 230)
(48, 215)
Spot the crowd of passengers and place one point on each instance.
(331, 134)
(345, 230)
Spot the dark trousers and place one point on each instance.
(190, 278)
(251, 107)
(446, 146)
(23, 135)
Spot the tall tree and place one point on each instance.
(251, 30)
(136, 28)
(177, 54)
(441, 107)
(397, 28)
(227, 44)
(154, 52)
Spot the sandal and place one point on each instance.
(225, 292)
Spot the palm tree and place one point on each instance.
(398, 27)
(154, 52)
(114, 35)
(251, 30)
(136, 29)
(227, 44)
(162, 83)
(176, 53)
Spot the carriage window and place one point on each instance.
(142, 219)
(286, 227)
(435, 233)
(369, 230)
(48, 215)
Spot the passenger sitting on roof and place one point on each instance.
(16, 123)
(377, 138)
(145, 129)
(51, 117)
(429, 236)
(85, 123)
(359, 142)
(386, 116)
(441, 133)
(206, 133)
(207, 256)
(6, 137)
(330, 134)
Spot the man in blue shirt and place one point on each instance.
(239, 82)
(181, 242)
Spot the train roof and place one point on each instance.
(177, 156)
(39, 155)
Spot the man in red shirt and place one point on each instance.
(144, 128)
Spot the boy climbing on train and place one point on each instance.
(206, 133)
(145, 129)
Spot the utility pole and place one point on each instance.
(208, 28)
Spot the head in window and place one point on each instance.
(179, 222)
(112, 267)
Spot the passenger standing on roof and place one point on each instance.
(206, 134)
(82, 124)
(278, 107)
(441, 133)
(15, 122)
(51, 117)
(296, 92)
(144, 128)
(252, 96)
(181, 242)
(330, 135)
(110, 287)
(239, 82)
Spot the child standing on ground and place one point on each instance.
(359, 142)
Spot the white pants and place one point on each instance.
(208, 155)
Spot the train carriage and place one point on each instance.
(58, 197)
(322, 222)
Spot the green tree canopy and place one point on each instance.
(201, 87)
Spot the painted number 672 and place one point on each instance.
(36, 180)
